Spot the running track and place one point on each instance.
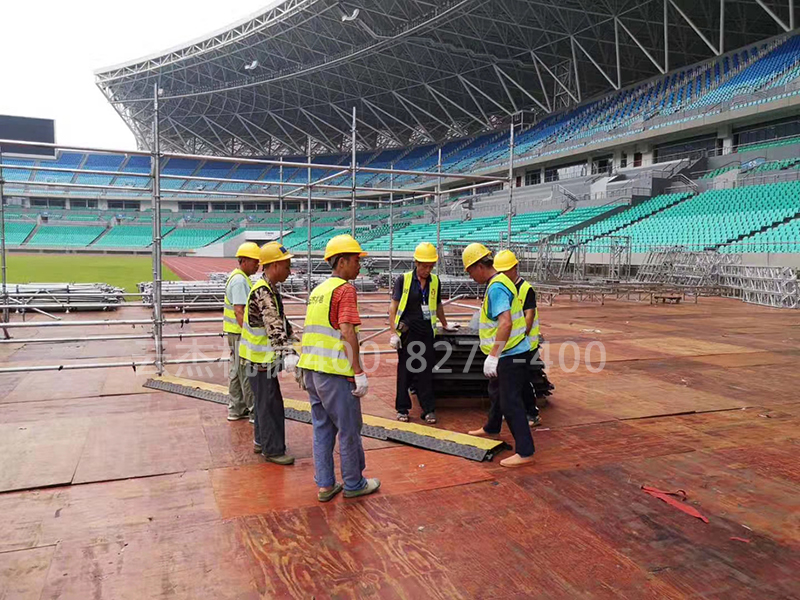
(194, 268)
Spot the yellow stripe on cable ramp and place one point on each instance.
(423, 436)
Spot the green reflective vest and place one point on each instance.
(488, 326)
(533, 335)
(254, 344)
(322, 346)
(433, 300)
(229, 322)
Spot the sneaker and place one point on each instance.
(371, 487)
(516, 461)
(252, 419)
(329, 495)
(233, 417)
(256, 448)
(430, 418)
(534, 420)
(402, 417)
(280, 459)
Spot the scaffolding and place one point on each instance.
(205, 294)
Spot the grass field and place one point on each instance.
(120, 271)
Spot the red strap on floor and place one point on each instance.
(671, 498)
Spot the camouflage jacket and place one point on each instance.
(264, 311)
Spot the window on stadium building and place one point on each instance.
(225, 207)
(565, 172)
(698, 147)
(83, 203)
(533, 177)
(193, 206)
(766, 132)
(124, 205)
(602, 164)
(258, 207)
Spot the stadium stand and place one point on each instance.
(72, 236)
(186, 238)
(716, 217)
(128, 236)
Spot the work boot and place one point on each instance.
(516, 461)
(371, 487)
(280, 459)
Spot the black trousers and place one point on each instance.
(506, 397)
(529, 393)
(269, 429)
(421, 357)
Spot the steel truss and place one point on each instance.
(418, 71)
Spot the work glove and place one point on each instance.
(452, 327)
(362, 385)
(490, 366)
(290, 362)
(394, 341)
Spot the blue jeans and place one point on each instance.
(334, 410)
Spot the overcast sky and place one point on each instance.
(49, 50)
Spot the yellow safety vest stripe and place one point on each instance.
(433, 300)
(322, 347)
(487, 327)
(229, 322)
(254, 344)
(533, 335)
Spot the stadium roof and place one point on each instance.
(417, 71)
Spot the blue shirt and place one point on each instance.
(500, 298)
(238, 290)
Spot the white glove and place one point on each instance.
(490, 366)
(290, 362)
(394, 341)
(452, 327)
(362, 385)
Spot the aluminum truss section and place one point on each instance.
(767, 286)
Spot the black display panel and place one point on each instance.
(27, 130)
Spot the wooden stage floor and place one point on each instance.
(111, 491)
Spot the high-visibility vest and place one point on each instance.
(322, 346)
(254, 344)
(533, 335)
(229, 322)
(433, 300)
(488, 326)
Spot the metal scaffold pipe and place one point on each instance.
(353, 168)
(439, 207)
(156, 166)
(309, 268)
(3, 244)
(391, 221)
(510, 180)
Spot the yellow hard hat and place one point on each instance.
(473, 253)
(505, 260)
(343, 244)
(273, 252)
(248, 250)
(426, 252)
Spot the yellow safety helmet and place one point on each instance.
(505, 260)
(273, 252)
(473, 253)
(248, 250)
(343, 244)
(426, 252)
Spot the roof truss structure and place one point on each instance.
(416, 70)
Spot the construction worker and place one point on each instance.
(506, 262)
(503, 341)
(413, 313)
(333, 375)
(237, 288)
(265, 349)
